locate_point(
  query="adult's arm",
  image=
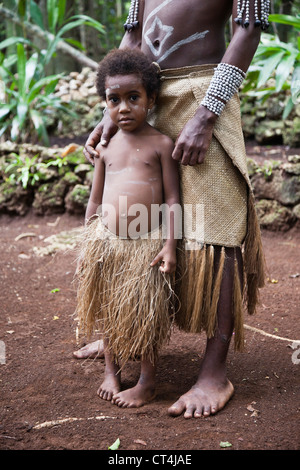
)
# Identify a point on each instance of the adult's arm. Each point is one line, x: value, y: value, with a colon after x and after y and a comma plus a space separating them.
x: 194, y: 140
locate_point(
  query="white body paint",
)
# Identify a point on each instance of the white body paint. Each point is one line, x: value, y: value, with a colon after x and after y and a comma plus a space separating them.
x: 168, y: 31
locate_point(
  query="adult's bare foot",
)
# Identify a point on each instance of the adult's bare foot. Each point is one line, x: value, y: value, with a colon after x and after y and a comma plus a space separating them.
x: 203, y: 399
x: 90, y: 351
x: 134, y: 397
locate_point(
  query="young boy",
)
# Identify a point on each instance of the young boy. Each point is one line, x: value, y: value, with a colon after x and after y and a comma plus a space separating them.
x: 126, y: 266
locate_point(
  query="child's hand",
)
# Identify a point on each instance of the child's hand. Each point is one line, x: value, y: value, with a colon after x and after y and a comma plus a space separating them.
x: 167, y: 259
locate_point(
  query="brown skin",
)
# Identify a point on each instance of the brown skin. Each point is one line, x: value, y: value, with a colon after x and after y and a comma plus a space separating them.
x: 212, y: 389
x: 137, y: 165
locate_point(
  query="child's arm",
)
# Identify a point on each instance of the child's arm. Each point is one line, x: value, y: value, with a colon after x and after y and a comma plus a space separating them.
x: 95, y: 199
x: 170, y: 180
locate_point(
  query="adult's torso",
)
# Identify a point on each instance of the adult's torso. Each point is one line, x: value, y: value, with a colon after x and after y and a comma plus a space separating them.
x: 177, y: 33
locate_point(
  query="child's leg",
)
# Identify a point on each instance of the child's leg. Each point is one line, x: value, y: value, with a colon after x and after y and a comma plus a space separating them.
x: 142, y: 392
x: 111, y: 384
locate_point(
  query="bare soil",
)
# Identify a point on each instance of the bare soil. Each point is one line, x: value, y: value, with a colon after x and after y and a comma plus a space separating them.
x: 49, y: 400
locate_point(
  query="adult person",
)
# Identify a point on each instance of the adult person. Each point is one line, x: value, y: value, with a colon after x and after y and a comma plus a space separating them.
x: 198, y: 107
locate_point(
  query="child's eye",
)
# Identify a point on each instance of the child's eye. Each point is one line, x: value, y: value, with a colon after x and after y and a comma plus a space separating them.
x: 113, y: 99
x: 134, y: 97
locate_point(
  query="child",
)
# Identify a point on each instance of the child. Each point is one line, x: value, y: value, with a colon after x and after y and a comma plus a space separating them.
x: 126, y: 266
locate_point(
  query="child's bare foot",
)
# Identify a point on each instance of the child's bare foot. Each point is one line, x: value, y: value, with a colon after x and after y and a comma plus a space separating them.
x: 134, y: 397
x: 110, y: 386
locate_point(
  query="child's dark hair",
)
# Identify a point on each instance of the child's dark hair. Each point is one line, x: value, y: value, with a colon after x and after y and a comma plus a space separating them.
x: 127, y: 62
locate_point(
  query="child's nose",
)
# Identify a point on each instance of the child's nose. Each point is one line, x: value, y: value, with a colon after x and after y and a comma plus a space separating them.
x: 124, y: 106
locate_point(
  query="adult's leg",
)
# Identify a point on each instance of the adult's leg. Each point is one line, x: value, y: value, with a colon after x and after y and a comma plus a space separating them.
x: 212, y: 389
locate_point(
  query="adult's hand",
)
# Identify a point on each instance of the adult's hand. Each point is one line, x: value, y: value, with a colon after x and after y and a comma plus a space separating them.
x: 102, y: 133
x: 193, y: 142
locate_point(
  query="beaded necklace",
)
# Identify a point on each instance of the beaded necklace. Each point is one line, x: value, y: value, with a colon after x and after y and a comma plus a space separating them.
x: 242, y: 9
x: 132, y: 19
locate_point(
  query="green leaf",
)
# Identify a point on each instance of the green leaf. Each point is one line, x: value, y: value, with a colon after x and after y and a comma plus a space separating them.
x: 36, y: 14
x: 268, y: 67
x: 288, y: 108
x: 90, y: 22
x: 51, y: 11
x: 21, y: 69
x: 43, y: 82
x: 22, y: 7
x: 284, y: 69
x: 295, y: 84
x: 115, y: 445
x: 30, y: 69
x: 225, y: 444
x: 11, y: 41
x: 22, y: 110
x: 39, y: 125
x: 285, y: 19
x: 75, y: 43
x: 61, y: 11
x: 4, y: 110
x: 15, y: 128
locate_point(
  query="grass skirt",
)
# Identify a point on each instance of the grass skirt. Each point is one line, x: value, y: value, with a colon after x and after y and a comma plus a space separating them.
x: 121, y: 295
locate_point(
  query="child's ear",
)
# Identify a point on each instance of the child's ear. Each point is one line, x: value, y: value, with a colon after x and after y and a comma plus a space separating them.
x: 151, y: 101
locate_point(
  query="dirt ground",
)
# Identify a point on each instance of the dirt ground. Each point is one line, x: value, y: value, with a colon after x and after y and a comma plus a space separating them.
x: 49, y: 400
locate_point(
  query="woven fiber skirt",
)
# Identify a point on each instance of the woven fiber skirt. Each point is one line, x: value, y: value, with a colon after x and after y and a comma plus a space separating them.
x: 120, y: 295
x: 218, y: 205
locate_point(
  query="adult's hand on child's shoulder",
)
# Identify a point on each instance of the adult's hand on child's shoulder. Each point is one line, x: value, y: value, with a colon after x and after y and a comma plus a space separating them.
x: 102, y: 133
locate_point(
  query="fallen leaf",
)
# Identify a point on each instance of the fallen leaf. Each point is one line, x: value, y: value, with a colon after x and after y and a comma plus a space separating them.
x: 54, y: 290
x: 250, y: 408
x: 139, y: 441
x: 225, y: 444
x: 69, y: 149
x: 24, y: 256
x: 55, y: 317
x: 115, y: 445
x: 254, y: 412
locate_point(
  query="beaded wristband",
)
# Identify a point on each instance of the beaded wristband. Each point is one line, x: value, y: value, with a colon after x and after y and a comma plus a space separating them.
x: 224, y: 84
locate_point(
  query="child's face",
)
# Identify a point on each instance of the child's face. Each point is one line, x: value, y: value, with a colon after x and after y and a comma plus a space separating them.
x: 127, y: 101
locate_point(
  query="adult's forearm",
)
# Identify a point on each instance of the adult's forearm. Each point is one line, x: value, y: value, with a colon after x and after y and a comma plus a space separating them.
x: 242, y: 47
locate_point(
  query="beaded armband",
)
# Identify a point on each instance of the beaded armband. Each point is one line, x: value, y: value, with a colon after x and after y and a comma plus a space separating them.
x: 260, y: 15
x: 226, y: 81
x: 132, y: 19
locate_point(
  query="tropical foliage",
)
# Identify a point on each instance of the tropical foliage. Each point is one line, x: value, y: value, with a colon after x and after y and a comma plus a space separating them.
x: 26, y: 88
x: 276, y: 65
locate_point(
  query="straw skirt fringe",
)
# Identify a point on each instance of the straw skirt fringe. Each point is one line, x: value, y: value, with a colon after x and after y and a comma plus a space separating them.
x: 221, y: 187
x: 120, y: 295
